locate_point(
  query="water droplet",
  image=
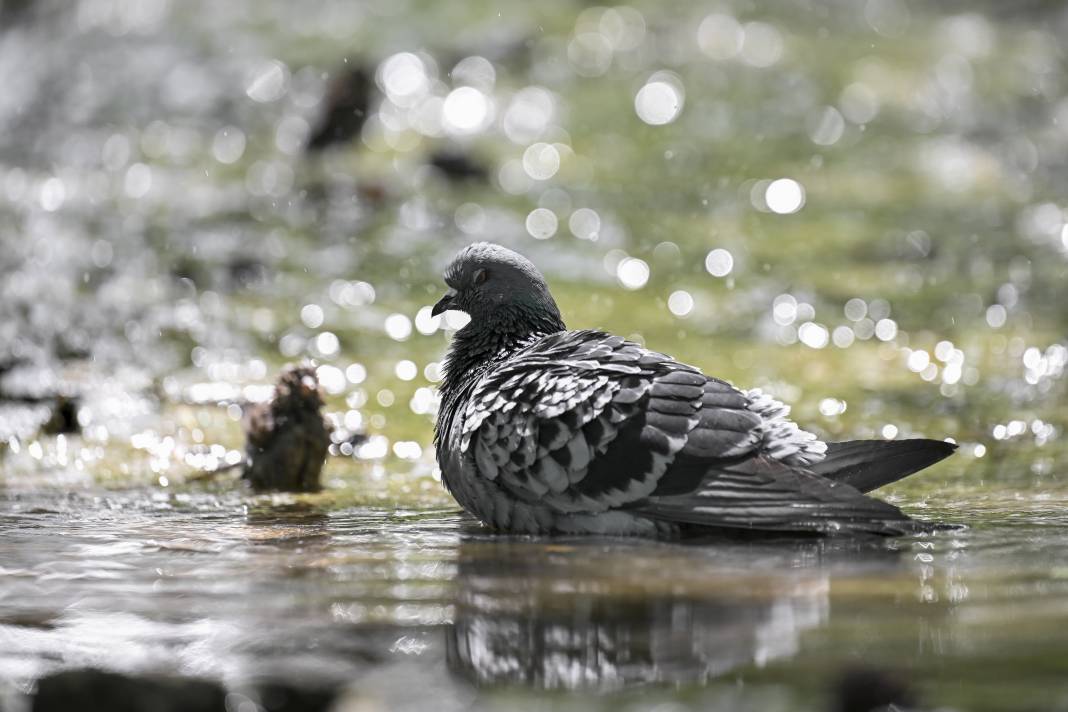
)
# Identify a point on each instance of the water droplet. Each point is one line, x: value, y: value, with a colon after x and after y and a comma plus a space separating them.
x: 856, y: 309
x: 407, y: 449
x: 843, y: 337
x: 680, y: 303
x: 228, y: 145
x: 425, y: 323
x: 542, y: 223
x: 404, y: 78
x: 474, y: 71
x: 470, y: 218
x: 784, y: 196
x: 268, y: 82
x: 356, y: 373
x: 398, y: 327
x: 719, y: 262
x: 590, y: 54
x: 528, y: 114
x: 632, y: 273
x: 331, y: 378
x: 859, y: 103
x: 541, y: 161
x: 784, y: 309
x: 886, y: 329
x: 918, y: 360
x: 326, y: 344
x: 720, y: 36
x: 660, y: 100
x: 831, y: 407
x: 762, y: 44
x: 996, y: 316
x: 466, y: 111
x: 826, y: 126
x: 585, y: 224
x: 813, y: 335
x: 312, y: 316
x: 405, y: 370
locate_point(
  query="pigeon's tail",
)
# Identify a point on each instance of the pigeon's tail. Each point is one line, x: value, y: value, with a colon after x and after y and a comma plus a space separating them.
x: 870, y: 464
x: 763, y: 494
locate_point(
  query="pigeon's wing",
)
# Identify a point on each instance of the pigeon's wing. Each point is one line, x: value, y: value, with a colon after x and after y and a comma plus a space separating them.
x: 765, y: 494
x: 585, y: 422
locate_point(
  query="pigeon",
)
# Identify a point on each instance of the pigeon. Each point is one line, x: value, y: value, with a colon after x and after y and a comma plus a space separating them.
x: 345, y: 108
x: 287, y: 438
x: 546, y: 431
x: 458, y: 166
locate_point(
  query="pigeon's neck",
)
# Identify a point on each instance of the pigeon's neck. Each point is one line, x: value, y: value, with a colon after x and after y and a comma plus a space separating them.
x: 480, y: 346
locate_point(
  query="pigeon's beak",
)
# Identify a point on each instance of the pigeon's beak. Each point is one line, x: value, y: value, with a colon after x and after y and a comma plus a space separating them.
x: 444, y: 304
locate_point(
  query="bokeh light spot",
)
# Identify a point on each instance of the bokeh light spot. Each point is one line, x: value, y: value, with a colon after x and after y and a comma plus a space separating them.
x: 541, y: 223
x: 680, y: 303
x: 659, y: 102
x: 719, y: 262
x: 784, y: 196
x: 632, y: 273
x: 541, y: 161
x: 466, y: 111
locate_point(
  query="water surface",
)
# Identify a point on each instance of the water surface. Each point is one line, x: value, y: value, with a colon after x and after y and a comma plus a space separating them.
x: 858, y: 207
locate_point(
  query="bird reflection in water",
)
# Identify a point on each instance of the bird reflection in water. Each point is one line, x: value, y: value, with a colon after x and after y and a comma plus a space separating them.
x: 583, y: 614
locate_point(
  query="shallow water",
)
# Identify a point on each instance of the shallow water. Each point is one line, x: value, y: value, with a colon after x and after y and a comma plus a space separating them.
x: 858, y: 207
x: 399, y: 604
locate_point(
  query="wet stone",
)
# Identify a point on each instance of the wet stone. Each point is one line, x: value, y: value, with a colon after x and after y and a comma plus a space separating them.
x: 35, y: 398
x: 283, y: 697
x: 89, y: 690
x: 287, y: 437
x: 64, y: 418
x: 865, y: 689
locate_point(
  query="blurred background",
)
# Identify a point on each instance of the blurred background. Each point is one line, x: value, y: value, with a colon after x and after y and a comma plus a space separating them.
x: 857, y: 206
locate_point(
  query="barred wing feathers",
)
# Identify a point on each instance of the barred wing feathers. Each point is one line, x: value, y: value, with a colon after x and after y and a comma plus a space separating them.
x: 584, y: 422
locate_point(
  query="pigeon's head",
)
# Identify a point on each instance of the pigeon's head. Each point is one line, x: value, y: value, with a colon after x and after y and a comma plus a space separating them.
x: 298, y: 389
x: 492, y: 284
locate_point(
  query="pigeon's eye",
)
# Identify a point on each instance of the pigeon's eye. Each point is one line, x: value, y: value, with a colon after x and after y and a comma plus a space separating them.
x: 479, y: 277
